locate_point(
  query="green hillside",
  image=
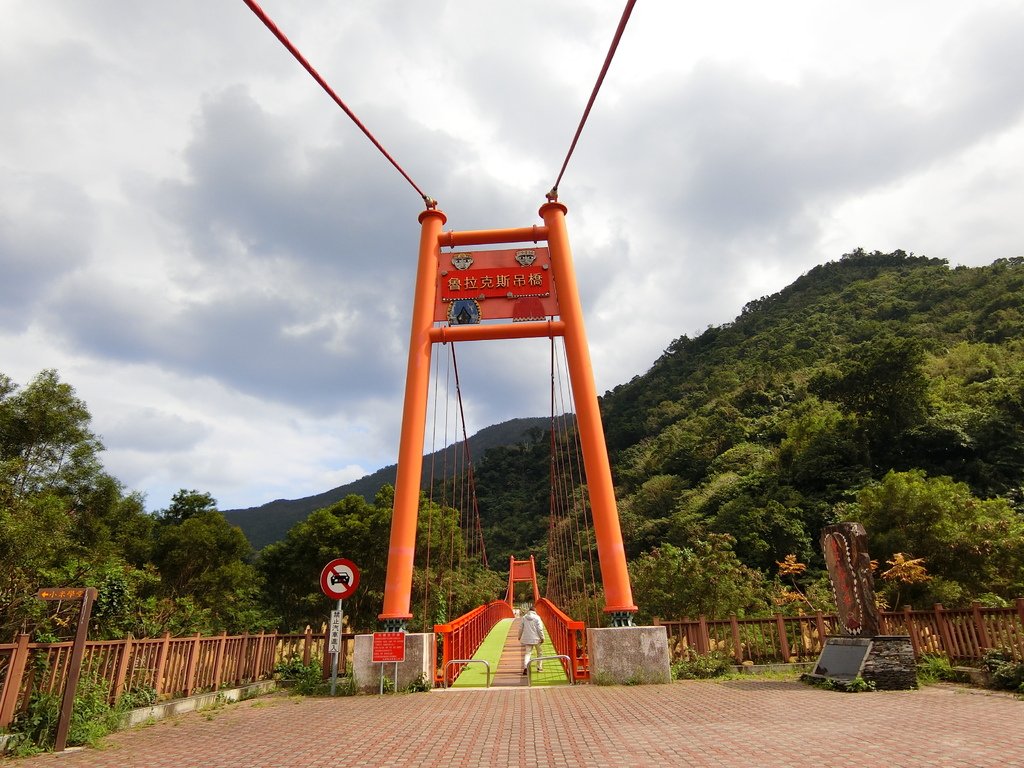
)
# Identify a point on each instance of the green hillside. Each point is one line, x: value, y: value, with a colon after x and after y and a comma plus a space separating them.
x: 885, y: 388
x: 270, y: 522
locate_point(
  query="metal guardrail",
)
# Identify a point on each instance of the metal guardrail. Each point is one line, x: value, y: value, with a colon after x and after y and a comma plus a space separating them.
x: 466, y: 661
x: 566, y: 662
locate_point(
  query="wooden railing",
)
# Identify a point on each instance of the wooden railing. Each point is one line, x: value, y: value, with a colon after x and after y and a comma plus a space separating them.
x: 460, y: 638
x: 169, y: 667
x: 568, y: 636
x: 959, y: 634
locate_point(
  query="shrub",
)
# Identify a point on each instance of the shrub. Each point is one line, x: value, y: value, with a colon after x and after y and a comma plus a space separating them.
x: 1005, y: 673
x: 933, y: 669
x: 419, y: 685
x: 92, y: 717
x: 308, y: 678
x: 700, y: 667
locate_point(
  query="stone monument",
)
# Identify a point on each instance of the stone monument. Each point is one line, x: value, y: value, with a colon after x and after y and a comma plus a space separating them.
x: 860, y: 649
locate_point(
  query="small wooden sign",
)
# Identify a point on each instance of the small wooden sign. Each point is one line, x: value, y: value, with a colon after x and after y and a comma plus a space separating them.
x: 61, y: 593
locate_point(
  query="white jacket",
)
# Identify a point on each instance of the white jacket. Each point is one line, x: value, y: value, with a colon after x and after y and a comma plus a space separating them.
x: 531, y: 630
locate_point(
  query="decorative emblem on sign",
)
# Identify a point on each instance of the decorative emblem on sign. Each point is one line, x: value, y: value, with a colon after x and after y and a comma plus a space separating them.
x: 526, y: 258
x: 464, y: 312
x: 462, y: 260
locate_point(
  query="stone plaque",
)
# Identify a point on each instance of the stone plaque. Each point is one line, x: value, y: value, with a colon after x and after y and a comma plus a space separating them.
x: 845, y: 546
x: 842, y: 658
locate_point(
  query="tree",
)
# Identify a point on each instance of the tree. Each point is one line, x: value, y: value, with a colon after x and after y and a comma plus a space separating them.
x: 187, y: 504
x: 972, y: 546
x: 704, y: 579
x: 881, y: 381
x: 45, y: 439
x: 206, y: 558
x: 290, y: 568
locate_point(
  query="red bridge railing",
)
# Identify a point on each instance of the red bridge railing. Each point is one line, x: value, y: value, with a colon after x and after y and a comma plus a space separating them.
x: 460, y: 638
x: 568, y: 636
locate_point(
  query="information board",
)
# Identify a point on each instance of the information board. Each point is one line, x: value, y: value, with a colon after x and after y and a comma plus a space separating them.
x: 842, y: 658
x: 388, y: 647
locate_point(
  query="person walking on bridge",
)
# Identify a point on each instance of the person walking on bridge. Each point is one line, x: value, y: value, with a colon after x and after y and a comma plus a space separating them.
x: 531, y: 635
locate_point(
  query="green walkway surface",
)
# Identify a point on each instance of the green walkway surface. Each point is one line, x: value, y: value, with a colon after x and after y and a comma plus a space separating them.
x: 475, y: 675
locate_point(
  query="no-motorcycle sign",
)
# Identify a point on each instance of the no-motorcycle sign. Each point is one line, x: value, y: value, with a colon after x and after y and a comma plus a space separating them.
x: 339, y: 578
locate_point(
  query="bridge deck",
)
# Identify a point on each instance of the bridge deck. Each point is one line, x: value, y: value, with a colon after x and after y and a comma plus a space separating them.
x: 503, y: 651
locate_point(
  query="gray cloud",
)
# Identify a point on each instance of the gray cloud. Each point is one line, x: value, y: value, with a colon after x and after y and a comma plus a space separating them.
x: 46, y: 226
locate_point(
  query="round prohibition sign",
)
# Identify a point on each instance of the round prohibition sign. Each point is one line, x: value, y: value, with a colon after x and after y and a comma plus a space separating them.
x: 339, y: 578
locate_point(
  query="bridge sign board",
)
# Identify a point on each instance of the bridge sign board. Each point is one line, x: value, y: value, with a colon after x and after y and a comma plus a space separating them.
x: 388, y: 647
x: 339, y: 578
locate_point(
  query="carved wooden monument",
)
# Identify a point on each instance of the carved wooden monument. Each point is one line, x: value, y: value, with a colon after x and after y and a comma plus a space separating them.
x: 860, y: 649
x: 845, y: 546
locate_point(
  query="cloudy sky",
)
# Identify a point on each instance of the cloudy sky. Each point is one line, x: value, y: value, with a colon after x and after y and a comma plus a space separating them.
x: 204, y: 246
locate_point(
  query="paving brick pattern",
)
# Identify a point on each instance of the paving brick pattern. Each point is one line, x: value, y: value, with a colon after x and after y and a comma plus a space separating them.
x: 734, y: 723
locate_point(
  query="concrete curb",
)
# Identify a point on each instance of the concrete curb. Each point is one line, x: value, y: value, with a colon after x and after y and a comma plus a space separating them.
x: 166, y: 709
x: 192, y: 703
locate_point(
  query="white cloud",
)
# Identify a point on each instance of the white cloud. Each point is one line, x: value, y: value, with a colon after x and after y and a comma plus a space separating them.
x: 222, y: 264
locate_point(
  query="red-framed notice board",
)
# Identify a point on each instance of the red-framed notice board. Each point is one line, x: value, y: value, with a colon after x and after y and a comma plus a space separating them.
x: 388, y: 647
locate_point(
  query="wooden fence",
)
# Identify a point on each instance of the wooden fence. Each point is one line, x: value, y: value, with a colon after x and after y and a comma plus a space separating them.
x: 961, y: 635
x: 169, y: 667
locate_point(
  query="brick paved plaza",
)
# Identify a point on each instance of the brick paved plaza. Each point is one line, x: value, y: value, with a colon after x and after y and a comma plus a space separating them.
x: 731, y: 723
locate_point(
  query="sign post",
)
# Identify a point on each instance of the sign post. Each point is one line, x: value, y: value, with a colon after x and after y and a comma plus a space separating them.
x: 88, y: 596
x: 338, y: 580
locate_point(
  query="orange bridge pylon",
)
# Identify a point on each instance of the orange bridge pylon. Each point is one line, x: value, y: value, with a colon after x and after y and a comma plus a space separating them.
x: 524, y: 291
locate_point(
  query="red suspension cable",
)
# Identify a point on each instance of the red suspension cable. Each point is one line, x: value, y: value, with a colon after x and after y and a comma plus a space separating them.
x: 553, y: 194
x: 261, y: 14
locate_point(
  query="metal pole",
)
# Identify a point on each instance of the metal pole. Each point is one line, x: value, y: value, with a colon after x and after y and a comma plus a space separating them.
x: 334, y: 661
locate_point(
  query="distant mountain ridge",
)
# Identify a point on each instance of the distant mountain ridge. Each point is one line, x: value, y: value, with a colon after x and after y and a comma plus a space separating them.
x: 270, y: 522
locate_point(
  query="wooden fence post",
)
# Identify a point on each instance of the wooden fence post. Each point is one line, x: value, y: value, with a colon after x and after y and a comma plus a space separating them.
x: 193, y: 663
x: 218, y: 662
x: 161, y: 664
x: 269, y: 658
x: 979, y: 624
x: 12, y: 681
x: 908, y: 621
x: 306, y: 646
x: 783, y: 638
x: 122, y: 670
x: 737, y: 646
x: 243, y: 660
x: 703, y: 638
x: 1019, y: 650
x: 944, y: 633
x: 819, y: 622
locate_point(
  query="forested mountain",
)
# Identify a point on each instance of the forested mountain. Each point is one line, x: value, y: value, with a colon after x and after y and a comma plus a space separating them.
x: 884, y: 388
x: 270, y: 522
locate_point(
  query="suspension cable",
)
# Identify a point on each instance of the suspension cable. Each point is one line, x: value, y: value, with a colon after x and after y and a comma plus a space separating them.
x: 553, y: 194
x: 261, y: 14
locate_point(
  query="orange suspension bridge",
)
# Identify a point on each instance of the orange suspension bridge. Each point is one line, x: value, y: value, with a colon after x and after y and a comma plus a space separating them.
x: 469, y: 290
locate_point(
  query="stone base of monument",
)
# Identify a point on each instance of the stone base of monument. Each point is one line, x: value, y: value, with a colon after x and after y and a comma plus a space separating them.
x: 890, y: 665
x: 886, y: 661
x: 628, y: 655
x: 419, y: 662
